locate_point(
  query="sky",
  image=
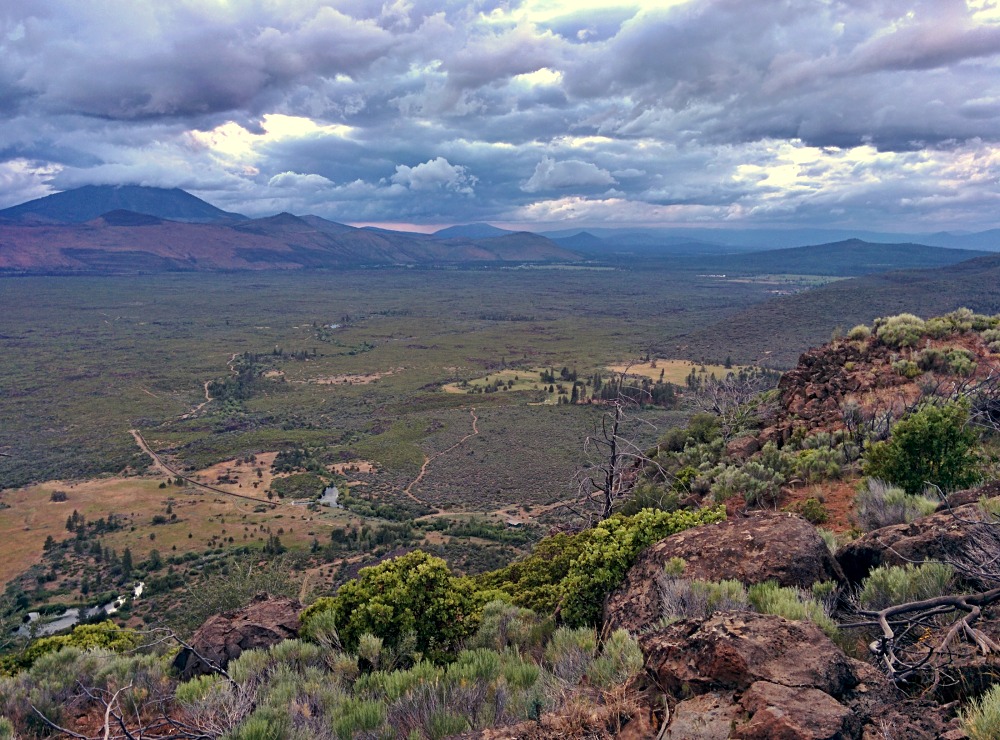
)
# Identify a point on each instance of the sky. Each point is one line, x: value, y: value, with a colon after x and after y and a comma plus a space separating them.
x: 868, y: 114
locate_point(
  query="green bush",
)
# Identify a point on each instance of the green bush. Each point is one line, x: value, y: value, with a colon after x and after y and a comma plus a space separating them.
x: 934, y: 445
x: 6, y: 729
x: 696, y: 599
x: 811, y: 509
x: 817, y: 465
x: 758, y: 485
x: 790, y: 603
x: 612, y: 547
x: 620, y: 661
x: 907, y: 368
x: 106, y: 634
x: 575, y: 572
x: 981, y: 719
x: 414, y: 593
x: 830, y: 538
x: 859, y: 332
x: 504, y: 625
x: 264, y: 724
x: 900, y: 331
x: 889, y: 585
x: 356, y: 716
x: 961, y: 362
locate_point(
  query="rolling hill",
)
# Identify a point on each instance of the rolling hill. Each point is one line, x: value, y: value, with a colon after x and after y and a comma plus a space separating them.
x: 848, y: 258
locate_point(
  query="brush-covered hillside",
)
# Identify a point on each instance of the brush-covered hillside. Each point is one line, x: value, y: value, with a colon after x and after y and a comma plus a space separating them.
x: 810, y: 560
x: 774, y: 331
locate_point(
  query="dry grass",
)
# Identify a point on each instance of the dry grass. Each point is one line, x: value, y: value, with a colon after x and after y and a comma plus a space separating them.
x: 208, y: 518
x: 358, y: 379
x: 674, y: 371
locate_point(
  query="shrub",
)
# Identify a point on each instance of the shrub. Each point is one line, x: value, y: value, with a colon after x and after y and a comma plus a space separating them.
x: 570, y: 652
x: 357, y: 716
x: 817, y: 465
x: 830, y: 538
x: 612, y: 548
x: 933, y: 445
x: 812, y: 510
x: 790, y: 603
x: 575, y: 572
x: 981, y: 719
x: 900, y: 331
x: 504, y: 625
x: 620, y: 661
x: 758, y: 485
x: 264, y: 724
x: 859, y: 332
x: 683, y: 599
x: 907, y: 368
x: 880, y: 504
x: 961, y: 361
x: 889, y: 585
x: 6, y: 729
x: 414, y: 593
x: 107, y: 635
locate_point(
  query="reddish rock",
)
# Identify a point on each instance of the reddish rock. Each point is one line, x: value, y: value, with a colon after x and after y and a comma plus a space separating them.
x: 742, y: 448
x: 706, y: 717
x: 945, y: 535
x: 769, y: 546
x: 786, y: 713
x: 263, y: 622
x: 733, y: 650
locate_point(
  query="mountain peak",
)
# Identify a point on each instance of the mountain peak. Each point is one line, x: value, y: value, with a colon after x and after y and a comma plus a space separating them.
x: 88, y: 202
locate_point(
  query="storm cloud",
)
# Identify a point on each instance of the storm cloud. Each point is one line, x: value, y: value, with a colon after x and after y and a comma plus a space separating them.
x: 880, y: 114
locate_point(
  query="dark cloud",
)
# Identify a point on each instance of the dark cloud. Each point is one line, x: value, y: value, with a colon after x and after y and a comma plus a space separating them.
x: 858, y: 112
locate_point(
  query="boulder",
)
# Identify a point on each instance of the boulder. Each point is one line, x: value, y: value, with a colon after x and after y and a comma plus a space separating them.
x: 789, y: 713
x: 742, y: 448
x: 263, y: 622
x: 942, y: 536
x: 769, y: 546
x: 733, y: 650
x: 709, y: 716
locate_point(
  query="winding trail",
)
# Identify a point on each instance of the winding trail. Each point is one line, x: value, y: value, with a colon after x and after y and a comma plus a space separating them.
x: 163, y: 467
x: 428, y: 460
x: 208, y: 397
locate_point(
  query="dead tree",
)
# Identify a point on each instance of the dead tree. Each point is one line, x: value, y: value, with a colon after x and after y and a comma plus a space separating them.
x: 615, y: 459
x: 732, y: 399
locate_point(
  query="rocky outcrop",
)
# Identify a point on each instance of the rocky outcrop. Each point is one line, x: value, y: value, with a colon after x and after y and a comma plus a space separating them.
x: 944, y: 536
x: 733, y: 650
x: 813, y: 392
x: 766, y: 547
x: 757, y: 676
x: 263, y: 622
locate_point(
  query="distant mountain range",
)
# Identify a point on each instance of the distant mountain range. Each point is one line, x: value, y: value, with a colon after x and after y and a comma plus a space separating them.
x: 131, y: 227
x: 173, y: 230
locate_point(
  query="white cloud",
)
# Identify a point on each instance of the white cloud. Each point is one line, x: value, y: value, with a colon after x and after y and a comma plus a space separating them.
x: 299, y: 181
x: 435, y: 174
x: 571, y: 173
